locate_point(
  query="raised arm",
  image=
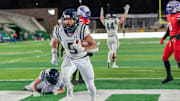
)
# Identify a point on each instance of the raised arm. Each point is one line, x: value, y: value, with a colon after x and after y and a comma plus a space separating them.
x: 102, y: 16
x: 126, y: 9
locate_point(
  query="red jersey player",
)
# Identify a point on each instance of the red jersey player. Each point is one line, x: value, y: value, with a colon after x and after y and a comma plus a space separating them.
x: 173, y: 46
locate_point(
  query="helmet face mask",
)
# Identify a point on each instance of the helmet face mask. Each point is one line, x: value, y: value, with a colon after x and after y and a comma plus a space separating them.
x: 173, y: 7
x: 110, y: 16
x: 52, y: 76
x: 70, y: 20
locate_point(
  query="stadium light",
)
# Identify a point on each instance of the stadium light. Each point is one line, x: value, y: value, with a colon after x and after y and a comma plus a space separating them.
x: 51, y: 11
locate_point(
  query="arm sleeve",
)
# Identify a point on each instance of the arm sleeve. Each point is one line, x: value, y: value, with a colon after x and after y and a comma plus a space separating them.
x: 86, y: 31
x: 166, y: 34
x: 56, y: 31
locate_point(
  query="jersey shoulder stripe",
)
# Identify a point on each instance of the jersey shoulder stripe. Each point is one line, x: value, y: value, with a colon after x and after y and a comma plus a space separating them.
x: 43, y: 75
x: 57, y: 32
x: 84, y: 31
x: 81, y: 31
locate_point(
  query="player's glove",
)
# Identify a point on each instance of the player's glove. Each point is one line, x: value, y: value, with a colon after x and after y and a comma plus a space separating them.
x: 126, y: 8
x: 162, y: 41
x: 54, y: 59
x: 77, y: 45
x: 36, y: 94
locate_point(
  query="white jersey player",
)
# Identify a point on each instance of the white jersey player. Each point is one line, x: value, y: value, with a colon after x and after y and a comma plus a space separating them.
x: 49, y: 81
x: 111, y: 23
x: 70, y: 33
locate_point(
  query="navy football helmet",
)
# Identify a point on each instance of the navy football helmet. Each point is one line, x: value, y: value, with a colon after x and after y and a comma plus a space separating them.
x: 110, y: 16
x: 72, y: 14
x: 52, y: 76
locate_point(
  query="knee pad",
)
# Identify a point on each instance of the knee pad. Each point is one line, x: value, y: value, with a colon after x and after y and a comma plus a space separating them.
x: 178, y: 64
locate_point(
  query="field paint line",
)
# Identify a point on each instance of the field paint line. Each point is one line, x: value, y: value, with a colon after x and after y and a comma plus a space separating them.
x: 11, y: 53
x: 130, y: 35
x: 22, y: 59
x: 142, y: 42
x: 14, y: 95
x: 24, y: 68
x: 128, y: 78
x: 19, y: 80
x: 102, y: 95
x: 96, y: 79
x: 3, y: 43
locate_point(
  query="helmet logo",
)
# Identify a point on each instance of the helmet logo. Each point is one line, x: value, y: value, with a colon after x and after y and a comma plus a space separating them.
x: 66, y: 16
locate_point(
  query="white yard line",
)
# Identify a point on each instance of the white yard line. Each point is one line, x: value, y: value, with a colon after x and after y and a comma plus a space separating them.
x: 102, y: 95
x: 130, y: 35
x: 95, y: 79
x: 14, y: 95
x: 22, y: 59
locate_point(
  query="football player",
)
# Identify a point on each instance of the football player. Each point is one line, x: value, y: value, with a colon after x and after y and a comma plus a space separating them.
x: 70, y: 34
x: 111, y: 23
x: 173, y: 46
x: 49, y: 81
x: 84, y: 14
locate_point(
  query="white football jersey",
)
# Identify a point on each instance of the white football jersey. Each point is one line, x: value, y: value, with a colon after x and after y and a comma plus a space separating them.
x: 111, y: 26
x: 67, y: 39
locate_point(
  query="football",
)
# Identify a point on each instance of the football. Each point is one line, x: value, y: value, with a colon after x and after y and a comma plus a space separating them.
x: 84, y: 43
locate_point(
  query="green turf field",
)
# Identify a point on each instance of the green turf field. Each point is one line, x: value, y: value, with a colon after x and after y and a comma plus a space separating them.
x: 139, y: 60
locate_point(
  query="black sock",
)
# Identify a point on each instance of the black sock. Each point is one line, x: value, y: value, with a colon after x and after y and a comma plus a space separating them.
x: 178, y: 65
x: 168, y: 68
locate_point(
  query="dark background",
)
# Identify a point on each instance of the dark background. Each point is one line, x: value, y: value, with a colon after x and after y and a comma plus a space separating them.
x: 137, y: 6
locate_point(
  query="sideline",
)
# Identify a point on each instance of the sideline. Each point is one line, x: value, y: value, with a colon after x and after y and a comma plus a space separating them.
x: 130, y: 35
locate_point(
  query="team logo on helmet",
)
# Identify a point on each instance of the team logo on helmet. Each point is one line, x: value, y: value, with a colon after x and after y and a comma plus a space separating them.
x: 84, y: 12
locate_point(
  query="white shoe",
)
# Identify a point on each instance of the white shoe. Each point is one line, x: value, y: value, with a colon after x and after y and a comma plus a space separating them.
x: 115, y: 66
x: 70, y: 94
x: 68, y: 98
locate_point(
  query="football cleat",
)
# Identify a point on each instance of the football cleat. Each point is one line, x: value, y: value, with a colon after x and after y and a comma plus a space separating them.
x: 115, y: 66
x: 74, y: 82
x: 167, y: 80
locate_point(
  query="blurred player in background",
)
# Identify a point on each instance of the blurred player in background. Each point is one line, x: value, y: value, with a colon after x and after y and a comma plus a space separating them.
x: 48, y: 82
x: 84, y: 14
x: 173, y: 18
x: 70, y: 34
x: 111, y: 23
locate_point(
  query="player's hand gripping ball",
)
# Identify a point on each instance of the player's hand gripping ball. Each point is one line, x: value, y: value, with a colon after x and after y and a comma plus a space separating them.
x: 84, y: 43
